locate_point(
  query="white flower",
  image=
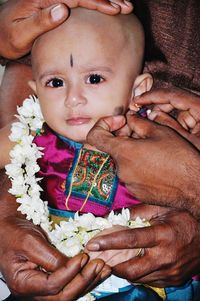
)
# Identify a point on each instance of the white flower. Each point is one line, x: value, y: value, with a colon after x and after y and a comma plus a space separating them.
x: 86, y: 220
x: 101, y: 223
x: 30, y: 108
x: 26, y: 139
x: 14, y: 170
x: 139, y: 223
x: 63, y: 231
x: 119, y: 219
x: 19, y: 188
x: 18, y: 131
x: 32, y: 168
x: 70, y: 247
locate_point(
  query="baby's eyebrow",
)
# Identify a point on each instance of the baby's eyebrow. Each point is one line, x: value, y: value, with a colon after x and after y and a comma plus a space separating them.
x: 93, y: 68
x: 52, y: 72
x: 83, y: 69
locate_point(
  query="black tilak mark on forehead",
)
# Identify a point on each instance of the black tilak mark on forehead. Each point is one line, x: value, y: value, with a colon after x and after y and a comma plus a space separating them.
x: 71, y: 60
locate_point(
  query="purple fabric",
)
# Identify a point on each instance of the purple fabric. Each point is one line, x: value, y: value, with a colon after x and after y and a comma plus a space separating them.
x: 55, y: 166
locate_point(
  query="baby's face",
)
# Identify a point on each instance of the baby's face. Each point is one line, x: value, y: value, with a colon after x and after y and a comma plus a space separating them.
x: 80, y: 77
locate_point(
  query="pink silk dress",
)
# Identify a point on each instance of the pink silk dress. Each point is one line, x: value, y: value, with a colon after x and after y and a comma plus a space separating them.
x: 78, y: 179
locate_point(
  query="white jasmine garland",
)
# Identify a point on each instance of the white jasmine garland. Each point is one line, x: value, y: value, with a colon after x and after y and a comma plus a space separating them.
x: 70, y: 237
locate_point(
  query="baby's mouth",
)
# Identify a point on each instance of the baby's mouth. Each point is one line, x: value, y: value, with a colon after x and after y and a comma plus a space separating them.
x: 78, y: 120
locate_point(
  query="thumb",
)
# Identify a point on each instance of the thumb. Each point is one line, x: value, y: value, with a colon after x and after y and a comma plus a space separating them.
x: 43, y: 254
x: 147, y: 212
x: 41, y: 22
x: 101, y: 135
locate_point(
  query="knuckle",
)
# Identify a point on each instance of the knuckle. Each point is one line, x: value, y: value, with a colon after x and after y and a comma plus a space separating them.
x: 175, y: 276
x: 15, y: 42
x: 16, y: 287
x: 52, y: 288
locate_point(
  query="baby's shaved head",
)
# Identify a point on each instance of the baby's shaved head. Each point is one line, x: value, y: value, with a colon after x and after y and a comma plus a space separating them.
x: 123, y: 33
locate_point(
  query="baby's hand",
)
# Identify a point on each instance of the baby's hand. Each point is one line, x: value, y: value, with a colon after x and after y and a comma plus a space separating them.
x: 113, y: 257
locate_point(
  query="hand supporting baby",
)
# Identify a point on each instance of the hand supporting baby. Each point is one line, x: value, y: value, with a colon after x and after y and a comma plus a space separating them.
x: 184, y: 106
x: 114, y: 256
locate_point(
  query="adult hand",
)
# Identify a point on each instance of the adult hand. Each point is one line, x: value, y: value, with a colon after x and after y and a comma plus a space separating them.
x: 184, y: 105
x: 22, y: 21
x: 34, y: 269
x: 113, y: 257
x: 157, y: 165
x: 171, y: 247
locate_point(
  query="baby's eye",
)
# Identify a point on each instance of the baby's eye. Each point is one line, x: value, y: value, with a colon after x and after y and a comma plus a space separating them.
x: 94, y: 79
x: 55, y: 83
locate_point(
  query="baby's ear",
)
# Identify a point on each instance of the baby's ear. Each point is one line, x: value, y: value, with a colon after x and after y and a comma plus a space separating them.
x: 32, y: 85
x: 142, y: 84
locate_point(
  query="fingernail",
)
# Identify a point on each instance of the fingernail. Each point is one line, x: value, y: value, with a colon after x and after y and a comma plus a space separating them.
x: 57, y: 12
x: 106, y: 272
x: 135, y: 107
x: 114, y: 4
x: 127, y: 2
x: 99, y: 267
x: 152, y: 115
x: 148, y: 112
x: 93, y: 247
x: 84, y: 260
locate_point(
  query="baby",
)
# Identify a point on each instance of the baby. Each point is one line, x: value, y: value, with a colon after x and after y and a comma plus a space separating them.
x: 79, y: 77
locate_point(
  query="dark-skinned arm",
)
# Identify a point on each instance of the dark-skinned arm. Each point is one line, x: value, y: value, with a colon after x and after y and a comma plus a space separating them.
x: 171, y: 247
x: 157, y: 165
x: 26, y: 254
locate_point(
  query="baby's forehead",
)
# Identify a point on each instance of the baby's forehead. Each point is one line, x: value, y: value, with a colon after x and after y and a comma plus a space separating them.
x: 87, y: 23
x: 89, y: 29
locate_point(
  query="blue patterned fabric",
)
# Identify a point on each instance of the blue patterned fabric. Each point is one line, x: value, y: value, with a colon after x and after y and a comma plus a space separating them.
x: 189, y: 292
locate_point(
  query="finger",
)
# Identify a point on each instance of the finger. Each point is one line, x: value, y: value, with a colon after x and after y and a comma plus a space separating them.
x: 125, y: 131
x: 136, y: 268
x: 42, y: 253
x: 26, y: 280
x: 42, y: 21
x: 147, y: 211
x: 179, y: 99
x: 196, y: 130
x: 186, y: 120
x: 126, y: 239
x: 158, y: 279
x: 104, y: 273
x: 100, y: 135
x: 143, y: 128
x: 163, y: 107
x: 108, y: 7
x: 79, y: 285
x: 167, y: 120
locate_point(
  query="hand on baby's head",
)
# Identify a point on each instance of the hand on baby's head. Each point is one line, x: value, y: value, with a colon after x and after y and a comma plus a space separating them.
x: 113, y: 257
